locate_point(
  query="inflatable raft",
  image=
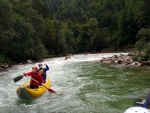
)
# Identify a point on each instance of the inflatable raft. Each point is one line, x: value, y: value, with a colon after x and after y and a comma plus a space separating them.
x: 138, y: 107
x: 25, y: 92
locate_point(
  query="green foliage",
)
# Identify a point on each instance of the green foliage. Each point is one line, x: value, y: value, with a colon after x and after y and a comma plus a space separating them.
x: 93, y: 23
x: 144, y: 34
x: 52, y: 28
x: 33, y: 29
x: 6, y: 13
x: 143, y: 43
x: 3, y: 59
x: 143, y: 37
x: 85, y: 37
x: 141, y: 56
x: 38, y: 5
x: 69, y: 40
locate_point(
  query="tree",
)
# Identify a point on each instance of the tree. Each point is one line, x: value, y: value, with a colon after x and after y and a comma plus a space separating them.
x: 93, y: 23
x: 84, y: 38
x: 38, y: 5
x: 50, y: 35
x: 7, y: 22
x: 69, y: 40
x: 143, y: 39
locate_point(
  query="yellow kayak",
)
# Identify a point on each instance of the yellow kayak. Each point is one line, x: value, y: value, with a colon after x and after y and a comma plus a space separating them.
x: 25, y: 92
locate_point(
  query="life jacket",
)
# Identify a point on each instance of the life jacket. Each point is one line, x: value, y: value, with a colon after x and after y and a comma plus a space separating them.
x: 41, y: 70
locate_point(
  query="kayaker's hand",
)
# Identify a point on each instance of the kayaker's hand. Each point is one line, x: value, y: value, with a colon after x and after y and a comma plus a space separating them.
x: 24, y: 74
x: 41, y: 84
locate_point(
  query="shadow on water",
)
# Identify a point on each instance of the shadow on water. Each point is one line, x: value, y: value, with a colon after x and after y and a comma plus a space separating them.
x: 22, y: 101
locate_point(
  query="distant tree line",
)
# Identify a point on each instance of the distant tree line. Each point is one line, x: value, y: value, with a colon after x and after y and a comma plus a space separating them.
x: 35, y: 29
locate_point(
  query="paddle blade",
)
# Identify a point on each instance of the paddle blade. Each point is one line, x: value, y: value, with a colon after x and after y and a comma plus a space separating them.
x: 18, y: 78
x: 51, y: 90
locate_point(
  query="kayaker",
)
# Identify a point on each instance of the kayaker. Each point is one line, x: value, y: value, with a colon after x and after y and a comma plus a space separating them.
x: 36, y: 78
x: 43, y: 70
x: 147, y: 101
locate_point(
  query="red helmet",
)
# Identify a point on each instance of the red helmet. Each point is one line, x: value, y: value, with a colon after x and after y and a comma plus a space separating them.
x: 35, y: 67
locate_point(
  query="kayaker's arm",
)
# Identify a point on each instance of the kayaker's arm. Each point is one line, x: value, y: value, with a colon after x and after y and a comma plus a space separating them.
x: 24, y: 74
x: 46, y: 68
x: 28, y: 74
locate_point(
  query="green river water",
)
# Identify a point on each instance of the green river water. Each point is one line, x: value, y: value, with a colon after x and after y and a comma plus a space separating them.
x: 82, y: 83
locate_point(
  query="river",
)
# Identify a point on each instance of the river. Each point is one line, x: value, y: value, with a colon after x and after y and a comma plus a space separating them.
x: 82, y: 83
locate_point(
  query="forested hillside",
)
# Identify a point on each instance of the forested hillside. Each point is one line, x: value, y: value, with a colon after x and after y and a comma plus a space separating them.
x: 34, y: 29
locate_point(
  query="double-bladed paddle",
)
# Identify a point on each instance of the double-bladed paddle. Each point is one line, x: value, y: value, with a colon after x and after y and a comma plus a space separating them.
x: 18, y: 78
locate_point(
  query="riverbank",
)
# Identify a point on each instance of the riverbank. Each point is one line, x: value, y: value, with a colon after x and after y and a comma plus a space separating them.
x: 4, y: 65
x: 124, y: 60
x: 10, y: 64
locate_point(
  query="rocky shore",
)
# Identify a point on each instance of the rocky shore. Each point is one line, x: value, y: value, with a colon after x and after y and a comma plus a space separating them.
x: 126, y: 60
x: 6, y: 65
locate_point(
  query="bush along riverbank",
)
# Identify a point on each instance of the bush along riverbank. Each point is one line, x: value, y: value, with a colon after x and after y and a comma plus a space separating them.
x: 131, y: 59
